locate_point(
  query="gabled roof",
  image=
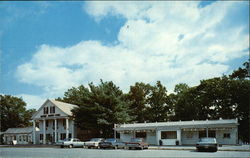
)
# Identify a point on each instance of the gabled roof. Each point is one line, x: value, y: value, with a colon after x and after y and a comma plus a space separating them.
x: 25, y: 130
x: 176, y: 124
x: 64, y: 107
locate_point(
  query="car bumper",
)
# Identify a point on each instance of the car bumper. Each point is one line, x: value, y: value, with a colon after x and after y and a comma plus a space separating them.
x: 206, y: 147
x: 91, y: 145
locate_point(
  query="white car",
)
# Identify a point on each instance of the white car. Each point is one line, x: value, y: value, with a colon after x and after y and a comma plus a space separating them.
x: 94, y: 142
x: 70, y: 142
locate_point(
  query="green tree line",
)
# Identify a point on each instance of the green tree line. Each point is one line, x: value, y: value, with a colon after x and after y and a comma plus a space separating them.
x: 13, y: 112
x: 101, y: 106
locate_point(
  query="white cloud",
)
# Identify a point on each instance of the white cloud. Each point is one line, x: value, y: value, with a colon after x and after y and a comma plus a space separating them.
x: 149, y: 48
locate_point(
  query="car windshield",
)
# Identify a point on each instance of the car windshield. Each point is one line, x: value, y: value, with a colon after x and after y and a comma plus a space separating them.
x: 136, y: 140
x: 208, y: 140
x: 96, y: 139
x: 110, y: 140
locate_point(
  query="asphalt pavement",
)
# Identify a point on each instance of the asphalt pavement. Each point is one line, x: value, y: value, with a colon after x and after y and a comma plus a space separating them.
x: 20, y: 152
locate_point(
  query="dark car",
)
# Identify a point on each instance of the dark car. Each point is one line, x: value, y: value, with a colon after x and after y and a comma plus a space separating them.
x: 112, y: 143
x: 137, y: 143
x: 207, y: 144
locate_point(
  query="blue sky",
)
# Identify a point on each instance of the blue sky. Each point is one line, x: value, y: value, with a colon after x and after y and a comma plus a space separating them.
x: 48, y: 47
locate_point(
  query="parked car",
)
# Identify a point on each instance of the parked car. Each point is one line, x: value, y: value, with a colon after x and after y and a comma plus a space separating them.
x: 70, y: 142
x: 93, y: 143
x: 137, y: 143
x: 112, y: 143
x: 207, y: 144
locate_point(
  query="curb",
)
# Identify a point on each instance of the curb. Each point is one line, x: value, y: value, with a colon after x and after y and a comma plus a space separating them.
x: 241, y: 150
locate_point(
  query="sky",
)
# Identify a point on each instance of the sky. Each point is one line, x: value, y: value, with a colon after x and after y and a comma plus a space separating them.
x: 48, y: 47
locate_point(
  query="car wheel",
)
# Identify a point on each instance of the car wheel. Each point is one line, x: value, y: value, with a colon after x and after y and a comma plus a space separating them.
x: 62, y: 146
x: 70, y: 146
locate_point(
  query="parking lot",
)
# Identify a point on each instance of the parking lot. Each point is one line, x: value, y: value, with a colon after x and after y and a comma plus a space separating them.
x: 22, y: 152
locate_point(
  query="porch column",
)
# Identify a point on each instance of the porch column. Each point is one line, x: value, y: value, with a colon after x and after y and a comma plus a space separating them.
x: 72, y: 129
x: 44, y: 129
x: 207, y: 132
x: 158, y: 136
x: 179, y: 136
x: 55, y: 130
x: 34, y: 132
x: 67, y: 128
x: 114, y: 131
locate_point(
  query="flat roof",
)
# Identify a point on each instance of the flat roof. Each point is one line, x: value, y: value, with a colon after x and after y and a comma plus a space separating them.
x: 182, y: 124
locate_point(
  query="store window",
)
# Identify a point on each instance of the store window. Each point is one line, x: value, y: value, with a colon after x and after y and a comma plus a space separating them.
x: 168, y: 135
x: 189, y: 134
x: 211, y: 133
x: 140, y: 134
x: 226, y: 135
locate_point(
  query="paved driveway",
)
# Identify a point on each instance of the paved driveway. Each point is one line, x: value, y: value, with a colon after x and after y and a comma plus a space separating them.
x: 96, y: 153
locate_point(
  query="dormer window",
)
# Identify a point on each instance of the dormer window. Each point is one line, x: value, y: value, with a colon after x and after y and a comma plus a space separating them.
x: 52, y: 109
x: 45, y: 110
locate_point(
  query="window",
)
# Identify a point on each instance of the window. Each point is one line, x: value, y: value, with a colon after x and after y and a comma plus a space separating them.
x: 168, y: 135
x: 189, y: 134
x: 41, y: 136
x: 118, y: 135
x: 52, y: 109
x: 63, y: 136
x: 47, y: 123
x: 64, y: 123
x: 140, y: 134
x: 25, y: 138
x: 45, y: 110
x: 204, y: 134
x: 20, y: 138
x: 226, y: 135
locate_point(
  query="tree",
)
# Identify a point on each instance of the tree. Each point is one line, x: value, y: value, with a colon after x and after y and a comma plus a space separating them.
x: 241, y: 73
x: 14, y: 113
x: 100, y: 107
x: 138, y: 96
x: 158, y: 108
x: 220, y: 97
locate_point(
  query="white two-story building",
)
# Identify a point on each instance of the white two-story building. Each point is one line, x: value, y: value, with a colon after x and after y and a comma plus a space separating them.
x: 54, y: 119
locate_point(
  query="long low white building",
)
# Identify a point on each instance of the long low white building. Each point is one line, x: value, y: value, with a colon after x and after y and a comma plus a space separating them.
x: 181, y: 132
x: 20, y: 135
